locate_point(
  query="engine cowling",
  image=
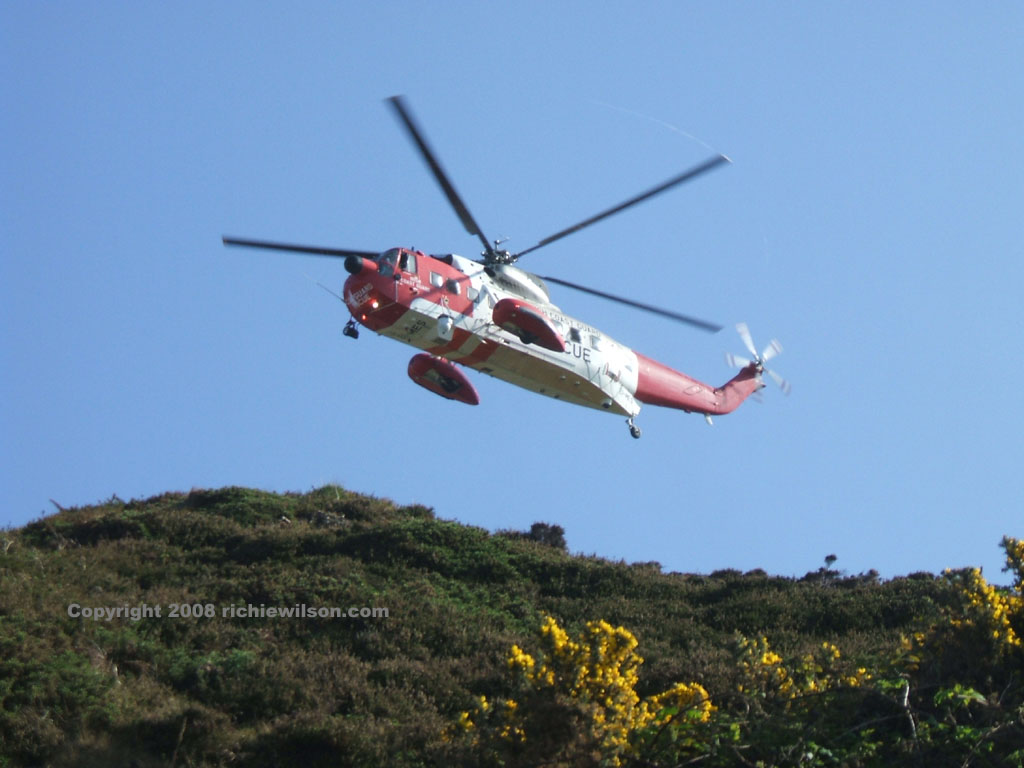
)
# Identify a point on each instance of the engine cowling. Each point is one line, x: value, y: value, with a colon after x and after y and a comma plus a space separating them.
x: 528, y: 323
x: 442, y: 378
x: 356, y: 264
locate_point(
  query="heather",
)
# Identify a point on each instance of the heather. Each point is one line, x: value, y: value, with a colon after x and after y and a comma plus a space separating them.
x: 496, y: 648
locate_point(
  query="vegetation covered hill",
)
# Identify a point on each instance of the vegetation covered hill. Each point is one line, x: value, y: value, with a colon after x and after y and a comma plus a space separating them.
x: 238, y: 627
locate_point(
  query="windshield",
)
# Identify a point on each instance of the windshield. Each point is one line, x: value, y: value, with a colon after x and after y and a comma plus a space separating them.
x: 387, y: 261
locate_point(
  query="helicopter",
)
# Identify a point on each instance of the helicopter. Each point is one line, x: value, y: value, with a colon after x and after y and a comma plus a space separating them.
x: 489, y: 315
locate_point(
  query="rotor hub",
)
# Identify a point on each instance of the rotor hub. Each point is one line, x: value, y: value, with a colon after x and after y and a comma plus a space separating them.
x: 499, y: 257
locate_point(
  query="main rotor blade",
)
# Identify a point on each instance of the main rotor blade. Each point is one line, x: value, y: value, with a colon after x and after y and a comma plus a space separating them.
x: 695, y: 322
x: 707, y: 165
x: 405, y: 115
x: 314, y: 249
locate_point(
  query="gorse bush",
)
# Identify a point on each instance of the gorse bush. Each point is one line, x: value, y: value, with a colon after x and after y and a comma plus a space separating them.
x: 497, y: 648
x: 574, y: 702
x: 588, y: 683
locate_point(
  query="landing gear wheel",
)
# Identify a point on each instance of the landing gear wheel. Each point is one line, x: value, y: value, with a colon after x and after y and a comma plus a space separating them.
x: 634, y: 430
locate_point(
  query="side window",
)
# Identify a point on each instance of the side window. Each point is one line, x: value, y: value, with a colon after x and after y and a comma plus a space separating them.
x: 436, y: 280
x: 472, y: 293
x: 408, y: 262
x: 452, y: 286
x: 574, y: 335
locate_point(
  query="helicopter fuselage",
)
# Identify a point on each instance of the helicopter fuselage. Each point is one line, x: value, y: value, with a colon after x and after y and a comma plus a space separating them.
x: 465, y: 312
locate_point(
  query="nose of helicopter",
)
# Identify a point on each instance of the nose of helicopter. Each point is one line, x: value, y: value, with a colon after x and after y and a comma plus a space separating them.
x: 370, y: 296
x: 360, y: 283
x: 360, y: 296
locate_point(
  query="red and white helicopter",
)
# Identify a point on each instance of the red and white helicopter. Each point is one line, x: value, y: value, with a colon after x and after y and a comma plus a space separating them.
x: 489, y: 315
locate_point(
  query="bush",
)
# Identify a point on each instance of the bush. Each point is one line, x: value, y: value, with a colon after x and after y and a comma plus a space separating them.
x: 222, y: 690
x: 543, y: 533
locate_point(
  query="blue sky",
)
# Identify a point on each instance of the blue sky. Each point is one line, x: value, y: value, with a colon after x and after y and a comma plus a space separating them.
x: 871, y: 221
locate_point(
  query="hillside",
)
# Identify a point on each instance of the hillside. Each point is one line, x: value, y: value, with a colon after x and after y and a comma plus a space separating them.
x: 225, y: 675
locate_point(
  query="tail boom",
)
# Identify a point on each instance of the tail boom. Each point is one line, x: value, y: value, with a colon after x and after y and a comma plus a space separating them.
x: 657, y: 384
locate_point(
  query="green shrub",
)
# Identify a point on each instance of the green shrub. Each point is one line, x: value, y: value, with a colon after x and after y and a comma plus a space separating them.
x: 219, y: 691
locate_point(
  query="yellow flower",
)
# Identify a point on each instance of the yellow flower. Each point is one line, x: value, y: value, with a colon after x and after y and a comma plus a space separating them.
x: 988, y: 607
x: 598, y: 671
x: 830, y: 649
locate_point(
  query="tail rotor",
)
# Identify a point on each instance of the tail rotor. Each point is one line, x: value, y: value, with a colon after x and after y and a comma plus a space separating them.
x: 759, y: 360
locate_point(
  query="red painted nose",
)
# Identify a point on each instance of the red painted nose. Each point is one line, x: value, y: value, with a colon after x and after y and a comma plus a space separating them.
x: 360, y: 295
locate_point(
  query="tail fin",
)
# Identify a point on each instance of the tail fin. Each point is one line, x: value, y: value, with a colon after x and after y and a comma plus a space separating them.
x: 737, y: 389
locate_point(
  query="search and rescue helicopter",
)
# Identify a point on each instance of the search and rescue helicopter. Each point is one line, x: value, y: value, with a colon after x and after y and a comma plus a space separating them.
x: 489, y: 315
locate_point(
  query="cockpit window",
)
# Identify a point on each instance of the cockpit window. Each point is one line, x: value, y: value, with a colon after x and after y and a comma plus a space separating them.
x: 387, y: 262
x: 408, y: 262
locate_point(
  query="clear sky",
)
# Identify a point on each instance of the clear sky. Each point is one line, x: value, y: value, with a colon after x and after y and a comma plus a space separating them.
x: 871, y: 221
